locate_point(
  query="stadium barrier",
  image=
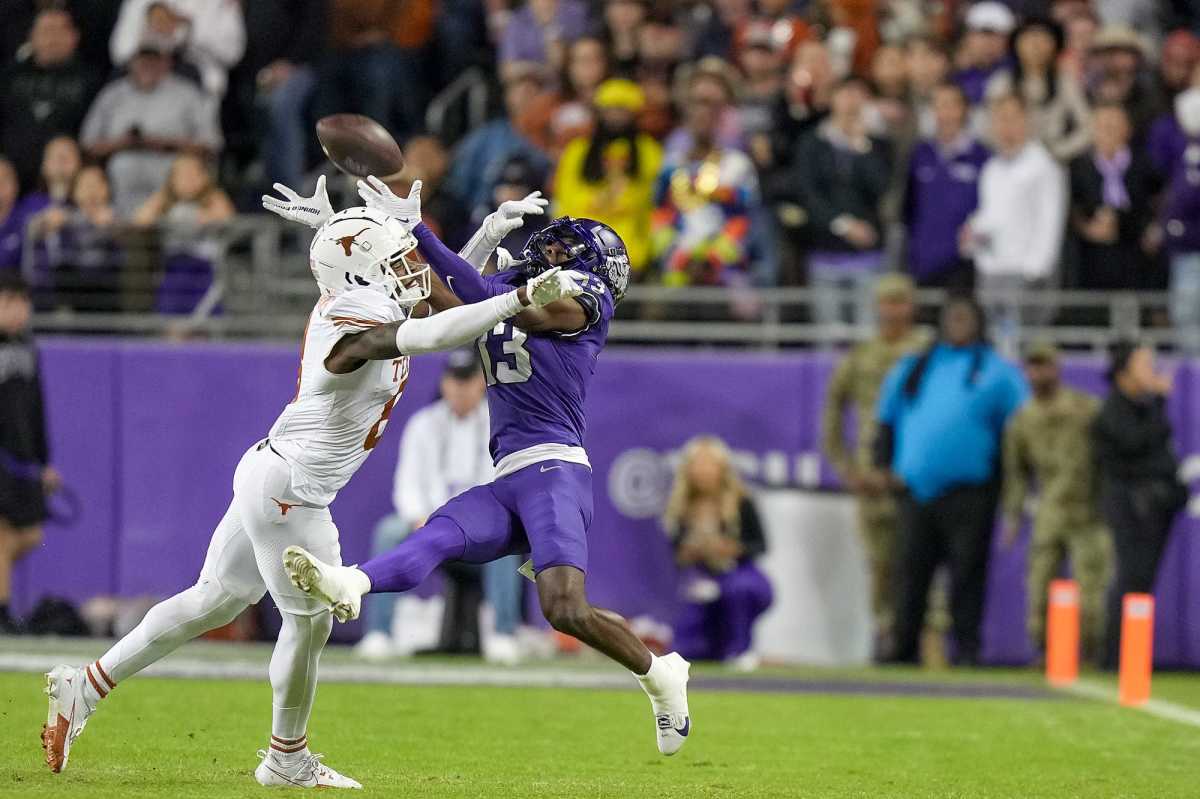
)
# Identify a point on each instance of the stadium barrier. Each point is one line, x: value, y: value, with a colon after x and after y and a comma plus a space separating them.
x: 148, y: 434
x: 249, y: 278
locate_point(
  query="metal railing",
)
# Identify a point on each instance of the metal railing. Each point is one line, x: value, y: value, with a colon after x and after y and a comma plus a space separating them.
x: 261, y: 288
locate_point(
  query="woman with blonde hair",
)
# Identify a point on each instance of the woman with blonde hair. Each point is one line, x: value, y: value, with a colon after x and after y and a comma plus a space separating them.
x: 711, y: 520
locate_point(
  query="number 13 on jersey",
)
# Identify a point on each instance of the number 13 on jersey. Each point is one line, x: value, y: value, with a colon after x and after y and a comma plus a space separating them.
x: 505, y: 359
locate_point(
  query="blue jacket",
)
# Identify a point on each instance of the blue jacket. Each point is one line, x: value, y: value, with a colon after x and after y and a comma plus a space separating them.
x: 950, y: 433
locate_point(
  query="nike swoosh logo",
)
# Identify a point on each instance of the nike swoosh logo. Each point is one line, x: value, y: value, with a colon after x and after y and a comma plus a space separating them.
x: 450, y: 282
x: 285, y: 777
x: 685, y: 729
x: 549, y: 468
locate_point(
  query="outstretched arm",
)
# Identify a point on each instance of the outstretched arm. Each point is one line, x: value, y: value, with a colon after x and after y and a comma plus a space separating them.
x: 564, y: 316
x: 499, y: 223
x: 458, y: 274
x: 451, y: 328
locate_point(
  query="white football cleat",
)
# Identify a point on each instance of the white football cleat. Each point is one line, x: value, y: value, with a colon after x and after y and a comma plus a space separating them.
x: 68, y: 713
x: 668, y: 698
x: 336, y: 586
x: 304, y: 772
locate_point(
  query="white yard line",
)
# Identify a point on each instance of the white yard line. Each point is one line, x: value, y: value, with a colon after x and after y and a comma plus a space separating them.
x: 1155, y: 707
x: 195, y: 668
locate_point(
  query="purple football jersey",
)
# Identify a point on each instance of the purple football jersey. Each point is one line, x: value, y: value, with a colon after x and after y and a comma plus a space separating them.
x: 537, y: 383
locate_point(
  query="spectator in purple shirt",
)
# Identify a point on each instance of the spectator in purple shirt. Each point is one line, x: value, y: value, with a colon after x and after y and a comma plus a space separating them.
x: 943, y: 191
x: 540, y: 32
x: 1181, y: 224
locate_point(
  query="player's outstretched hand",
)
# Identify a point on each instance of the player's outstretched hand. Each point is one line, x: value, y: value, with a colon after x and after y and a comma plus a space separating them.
x: 378, y: 197
x: 504, y: 259
x: 511, y: 214
x: 554, y: 285
x: 313, y: 211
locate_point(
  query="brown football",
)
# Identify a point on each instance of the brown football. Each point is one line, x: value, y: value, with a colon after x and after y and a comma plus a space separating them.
x: 359, y: 145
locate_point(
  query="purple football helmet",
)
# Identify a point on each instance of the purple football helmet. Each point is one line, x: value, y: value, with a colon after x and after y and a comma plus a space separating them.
x: 588, y: 246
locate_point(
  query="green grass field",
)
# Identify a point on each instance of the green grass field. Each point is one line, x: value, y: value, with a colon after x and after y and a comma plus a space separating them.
x: 160, y: 737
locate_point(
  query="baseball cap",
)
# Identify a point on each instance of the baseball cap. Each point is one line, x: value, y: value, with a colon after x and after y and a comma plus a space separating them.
x: 1041, y: 351
x: 894, y: 286
x: 462, y: 364
x: 991, y: 16
x: 1118, y: 37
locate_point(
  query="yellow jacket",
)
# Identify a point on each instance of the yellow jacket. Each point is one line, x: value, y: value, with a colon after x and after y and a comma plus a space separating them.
x: 622, y: 202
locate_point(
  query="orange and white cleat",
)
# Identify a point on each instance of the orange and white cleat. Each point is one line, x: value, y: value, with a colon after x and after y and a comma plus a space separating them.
x: 68, y: 713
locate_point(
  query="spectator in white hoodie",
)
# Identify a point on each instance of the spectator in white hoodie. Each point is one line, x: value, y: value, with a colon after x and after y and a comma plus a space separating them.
x: 210, y: 34
x: 1016, y: 235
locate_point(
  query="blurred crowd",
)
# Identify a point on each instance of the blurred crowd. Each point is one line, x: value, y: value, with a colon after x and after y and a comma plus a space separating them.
x: 1013, y: 146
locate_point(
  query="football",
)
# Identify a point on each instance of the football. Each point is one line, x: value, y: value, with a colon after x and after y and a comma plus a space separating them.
x: 359, y: 146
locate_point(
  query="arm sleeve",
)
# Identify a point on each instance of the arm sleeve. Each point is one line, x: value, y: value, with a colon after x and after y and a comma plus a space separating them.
x: 812, y: 194
x: 888, y: 410
x: 221, y: 33
x: 456, y: 326
x: 206, y: 128
x: 1125, y: 435
x: 127, y: 31
x: 1015, y: 473
x: 754, y: 540
x: 833, y: 432
x: 459, y: 275
x: 1014, y: 394
x: 1044, y: 241
x: 479, y: 248
x: 95, y: 123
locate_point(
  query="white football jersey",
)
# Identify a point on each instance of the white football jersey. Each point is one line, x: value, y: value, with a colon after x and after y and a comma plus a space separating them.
x: 334, y: 421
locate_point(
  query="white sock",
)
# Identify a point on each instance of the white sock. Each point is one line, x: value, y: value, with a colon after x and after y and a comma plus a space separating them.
x: 289, y: 751
x: 654, y: 678
x: 170, y: 623
x: 293, y: 672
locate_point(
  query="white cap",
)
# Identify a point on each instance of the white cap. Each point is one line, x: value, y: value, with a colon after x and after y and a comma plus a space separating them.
x: 991, y: 16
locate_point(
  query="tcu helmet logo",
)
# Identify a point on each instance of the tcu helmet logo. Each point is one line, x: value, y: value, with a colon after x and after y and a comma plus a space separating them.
x: 348, y: 241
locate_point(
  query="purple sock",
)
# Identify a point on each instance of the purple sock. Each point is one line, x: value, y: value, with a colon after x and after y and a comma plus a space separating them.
x: 405, y: 566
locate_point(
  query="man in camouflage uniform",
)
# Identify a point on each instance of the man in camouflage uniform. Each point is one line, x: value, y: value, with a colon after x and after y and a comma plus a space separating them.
x: 856, y: 383
x: 1049, y: 440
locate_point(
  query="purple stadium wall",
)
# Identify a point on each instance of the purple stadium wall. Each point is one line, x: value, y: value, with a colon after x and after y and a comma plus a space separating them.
x: 148, y: 434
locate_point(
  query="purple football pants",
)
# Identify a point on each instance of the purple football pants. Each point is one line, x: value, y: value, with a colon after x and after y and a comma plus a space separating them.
x: 544, y: 509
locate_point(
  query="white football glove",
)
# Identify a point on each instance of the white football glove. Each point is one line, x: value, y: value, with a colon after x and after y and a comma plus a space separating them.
x: 313, y: 211
x: 504, y: 259
x: 378, y: 197
x: 511, y: 215
x: 553, y: 285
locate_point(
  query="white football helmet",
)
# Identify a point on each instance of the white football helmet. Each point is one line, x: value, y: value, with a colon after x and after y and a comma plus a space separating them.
x: 361, y: 248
